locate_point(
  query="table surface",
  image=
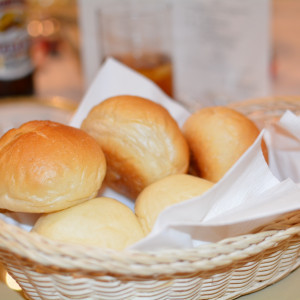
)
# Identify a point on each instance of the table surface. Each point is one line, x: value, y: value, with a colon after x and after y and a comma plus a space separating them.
x: 286, y: 289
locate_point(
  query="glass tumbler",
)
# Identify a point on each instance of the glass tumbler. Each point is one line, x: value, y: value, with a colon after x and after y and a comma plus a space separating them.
x: 140, y: 36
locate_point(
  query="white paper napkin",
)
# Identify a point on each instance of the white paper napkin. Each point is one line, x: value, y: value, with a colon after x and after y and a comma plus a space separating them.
x: 248, y: 196
x: 283, y: 141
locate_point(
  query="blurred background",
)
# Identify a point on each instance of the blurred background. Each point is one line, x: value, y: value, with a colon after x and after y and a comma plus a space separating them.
x: 55, y: 29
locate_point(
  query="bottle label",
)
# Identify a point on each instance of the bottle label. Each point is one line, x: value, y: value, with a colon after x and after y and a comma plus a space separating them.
x: 15, y: 59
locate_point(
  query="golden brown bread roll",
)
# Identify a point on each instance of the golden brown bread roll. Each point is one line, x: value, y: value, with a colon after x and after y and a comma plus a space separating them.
x: 141, y: 141
x: 47, y: 166
x: 217, y: 137
x: 102, y: 222
x: 166, y: 192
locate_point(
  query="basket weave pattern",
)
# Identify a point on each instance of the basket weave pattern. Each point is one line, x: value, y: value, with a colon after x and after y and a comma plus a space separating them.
x: 48, y: 270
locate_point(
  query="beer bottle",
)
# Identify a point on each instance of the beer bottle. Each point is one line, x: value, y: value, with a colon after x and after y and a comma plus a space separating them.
x: 16, y: 68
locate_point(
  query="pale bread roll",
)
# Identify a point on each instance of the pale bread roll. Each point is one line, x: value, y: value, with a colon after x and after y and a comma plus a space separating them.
x: 217, y: 137
x: 102, y: 222
x: 166, y: 192
x: 141, y: 141
x: 47, y: 166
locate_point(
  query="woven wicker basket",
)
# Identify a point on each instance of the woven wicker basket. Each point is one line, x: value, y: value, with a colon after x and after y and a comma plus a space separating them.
x: 47, y: 269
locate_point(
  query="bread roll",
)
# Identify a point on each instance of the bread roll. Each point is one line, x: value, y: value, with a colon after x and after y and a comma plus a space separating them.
x: 141, y: 141
x: 102, y: 222
x: 46, y: 166
x: 166, y: 192
x: 217, y: 137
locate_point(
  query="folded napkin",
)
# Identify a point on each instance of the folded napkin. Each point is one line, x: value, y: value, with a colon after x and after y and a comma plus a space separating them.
x: 283, y: 141
x: 248, y: 196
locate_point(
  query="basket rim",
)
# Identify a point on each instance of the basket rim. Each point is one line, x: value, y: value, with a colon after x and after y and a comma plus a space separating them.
x: 34, y: 248
x: 288, y: 99
x: 266, y: 107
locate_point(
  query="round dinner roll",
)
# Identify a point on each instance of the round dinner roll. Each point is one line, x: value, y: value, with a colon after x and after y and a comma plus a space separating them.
x: 217, y: 137
x: 166, y: 192
x: 141, y: 142
x: 102, y: 222
x: 47, y: 166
